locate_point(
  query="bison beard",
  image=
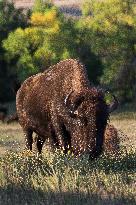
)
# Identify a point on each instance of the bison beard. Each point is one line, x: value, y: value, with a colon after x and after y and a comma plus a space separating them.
x: 61, y: 105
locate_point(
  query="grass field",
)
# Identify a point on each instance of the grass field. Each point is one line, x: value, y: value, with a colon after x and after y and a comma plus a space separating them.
x: 55, y: 179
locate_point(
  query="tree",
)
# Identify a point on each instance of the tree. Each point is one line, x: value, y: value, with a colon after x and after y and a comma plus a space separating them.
x: 10, y: 19
x: 112, y: 36
x: 46, y: 41
x: 41, y: 5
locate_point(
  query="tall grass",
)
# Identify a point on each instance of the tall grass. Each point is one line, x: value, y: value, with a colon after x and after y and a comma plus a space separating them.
x: 56, y: 179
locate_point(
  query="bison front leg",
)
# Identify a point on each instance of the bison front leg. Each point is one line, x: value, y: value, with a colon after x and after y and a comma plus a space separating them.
x: 57, y: 135
x: 28, y: 138
x: 39, y: 144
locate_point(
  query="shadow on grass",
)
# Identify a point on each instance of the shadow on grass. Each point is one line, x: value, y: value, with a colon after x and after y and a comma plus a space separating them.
x: 15, y: 195
x: 127, y: 163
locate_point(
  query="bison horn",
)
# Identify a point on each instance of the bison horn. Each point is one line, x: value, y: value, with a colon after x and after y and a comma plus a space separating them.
x: 114, y: 104
x: 67, y: 103
x: 72, y: 111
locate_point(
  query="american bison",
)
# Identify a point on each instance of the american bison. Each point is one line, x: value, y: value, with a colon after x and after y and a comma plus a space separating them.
x: 61, y: 104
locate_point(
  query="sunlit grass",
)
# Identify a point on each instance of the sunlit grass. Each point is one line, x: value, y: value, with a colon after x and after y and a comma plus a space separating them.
x: 109, y: 177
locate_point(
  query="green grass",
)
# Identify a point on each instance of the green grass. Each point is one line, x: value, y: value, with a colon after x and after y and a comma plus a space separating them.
x: 56, y: 179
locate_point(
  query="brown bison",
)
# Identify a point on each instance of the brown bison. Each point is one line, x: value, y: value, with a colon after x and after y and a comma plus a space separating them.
x: 61, y: 105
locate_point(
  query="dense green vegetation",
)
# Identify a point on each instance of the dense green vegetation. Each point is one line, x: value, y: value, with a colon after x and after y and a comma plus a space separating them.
x: 10, y: 19
x: 104, y: 39
x: 111, y: 33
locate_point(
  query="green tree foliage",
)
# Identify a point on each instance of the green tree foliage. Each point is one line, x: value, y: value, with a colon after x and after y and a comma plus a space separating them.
x: 104, y: 39
x: 86, y: 55
x: 86, y: 7
x: 41, y: 5
x: 49, y: 39
x: 110, y: 27
x: 10, y: 19
x: 46, y: 41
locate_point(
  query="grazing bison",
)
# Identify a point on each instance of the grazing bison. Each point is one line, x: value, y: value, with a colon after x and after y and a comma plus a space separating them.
x: 111, y: 140
x: 60, y: 104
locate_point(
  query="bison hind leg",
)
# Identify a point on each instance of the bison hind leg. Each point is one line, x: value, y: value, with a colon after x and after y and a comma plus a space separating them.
x: 28, y: 138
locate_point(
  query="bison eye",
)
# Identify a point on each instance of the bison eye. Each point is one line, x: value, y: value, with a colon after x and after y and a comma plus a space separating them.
x: 84, y: 121
x: 73, y: 115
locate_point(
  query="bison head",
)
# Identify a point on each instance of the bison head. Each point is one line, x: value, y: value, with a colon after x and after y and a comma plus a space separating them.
x: 88, y: 112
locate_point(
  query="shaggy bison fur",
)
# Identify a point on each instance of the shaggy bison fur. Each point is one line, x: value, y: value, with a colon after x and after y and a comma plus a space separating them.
x: 111, y: 140
x: 61, y: 105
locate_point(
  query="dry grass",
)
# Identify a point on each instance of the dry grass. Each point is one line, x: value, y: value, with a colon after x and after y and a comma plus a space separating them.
x: 55, y: 179
x: 125, y: 122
